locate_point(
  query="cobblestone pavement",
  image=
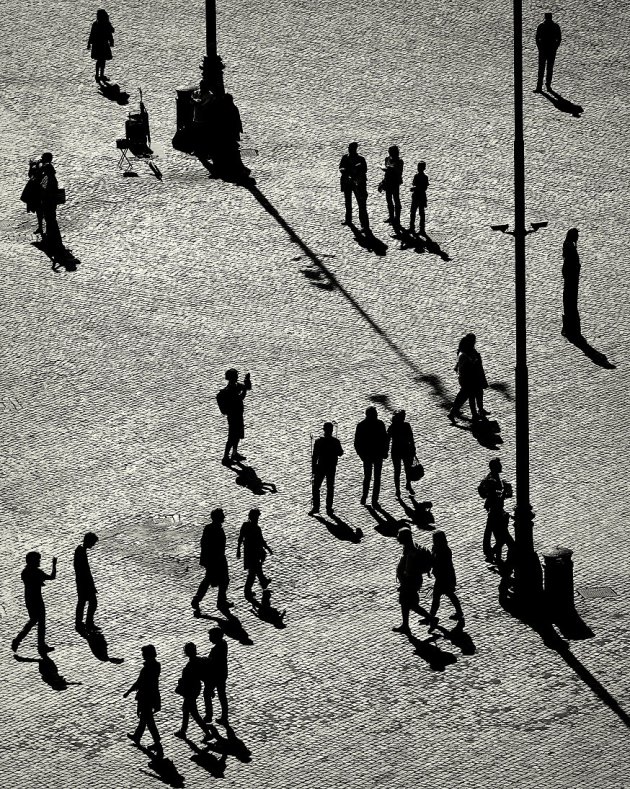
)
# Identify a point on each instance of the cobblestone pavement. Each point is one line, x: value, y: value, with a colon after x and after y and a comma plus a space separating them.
x: 110, y: 371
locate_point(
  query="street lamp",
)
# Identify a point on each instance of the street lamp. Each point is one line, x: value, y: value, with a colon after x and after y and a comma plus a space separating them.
x: 527, y: 569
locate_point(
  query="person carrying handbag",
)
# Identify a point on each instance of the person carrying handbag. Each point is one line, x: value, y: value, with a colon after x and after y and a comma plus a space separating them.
x: 402, y: 447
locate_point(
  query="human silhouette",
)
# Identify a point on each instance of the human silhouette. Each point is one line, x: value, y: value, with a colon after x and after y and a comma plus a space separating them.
x: 494, y: 490
x: 571, y: 326
x: 203, y: 124
x: 402, y: 448
x: 32, y: 193
x: 392, y: 180
x: 86, y: 589
x: 255, y: 550
x: 353, y: 181
x: 326, y: 452
x: 472, y: 380
x: 49, y: 201
x: 445, y: 580
x: 265, y: 611
x: 548, y: 38
x: 212, y: 558
x: 101, y: 41
x: 419, y: 188
x: 189, y: 687
x: 414, y: 562
x: 148, y: 700
x: 230, y: 400
x: 370, y: 444
x: 34, y: 578
x: 215, y: 675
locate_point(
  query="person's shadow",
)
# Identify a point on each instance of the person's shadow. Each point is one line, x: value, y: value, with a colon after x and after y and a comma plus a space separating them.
x: 113, y: 92
x: 386, y: 524
x: 485, y: 431
x: 597, y: 357
x: 459, y: 638
x: 562, y: 104
x: 231, y: 627
x: 368, y: 241
x: 436, y: 658
x: 419, y: 513
x: 60, y: 258
x: 206, y: 760
x: 99, y: 646
x: 421, y: 244
x: 340, y: 529
x: 48, y: 671
x: 163, y: 769
x: 232, y: 745
x: 247, y: 477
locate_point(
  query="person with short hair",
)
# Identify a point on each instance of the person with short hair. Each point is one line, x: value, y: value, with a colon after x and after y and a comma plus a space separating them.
x: 392, y: 180
x: 494, y: 491
x: 34, y: 578
x: 411, y: 566
x: 326, y: 452
x: 370, y: 444
x: 212, y: 558
x: 189, y: 687
x: 445, y: 580
x: 215, y: 675
x: 402, y: 448
x: 101, y: 41
x: 420, y: 184
x: 230, y: 400
x: 148, y: 700
x: 353, y: 168
x: 86, y: 589
x: 255, y: 550
x: 548, y: 38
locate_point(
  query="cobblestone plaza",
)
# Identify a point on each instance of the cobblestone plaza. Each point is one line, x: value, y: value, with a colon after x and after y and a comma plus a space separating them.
x: 110, y: 371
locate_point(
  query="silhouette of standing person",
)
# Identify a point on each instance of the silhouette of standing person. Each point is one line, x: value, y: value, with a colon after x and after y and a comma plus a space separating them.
x: 189, y: 687
x: 32, y: 194
x: 353, y: 181
x: 445, y: 580
x: 86, y: 589
x: 49, y: 195
x: 148, y: 700
x: 101, y: 41
x: 494, y: 490
x: 472, y: 379
x: 230, y: 400
x: 392, y: 180
x: 412, y: 564
x: 326, y: 452
x: 33, y: 578
x: 212, y: 557
x: 548, y: 38
x: 419, y: 198
x: 255, y: 550
x: 402, y: 448
x: 571, y: 274
x: 370, y: 444
x: 215, y: 675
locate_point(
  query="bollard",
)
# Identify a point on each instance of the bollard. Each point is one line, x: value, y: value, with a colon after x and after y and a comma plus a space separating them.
x: 559, y: 581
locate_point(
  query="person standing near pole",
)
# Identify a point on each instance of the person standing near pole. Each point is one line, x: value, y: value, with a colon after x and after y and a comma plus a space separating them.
x: 326, y: 452
x: 255, y: 550
x: 33, y: 578
x: 86, y: 589
x: 494, y: 490
x: 548, y: 38
x: 419, y: 198
x: 370, y: 444
x: 148, y: 700
x: 212, y: 558
x: 230, y: 400
x: 571, y: 326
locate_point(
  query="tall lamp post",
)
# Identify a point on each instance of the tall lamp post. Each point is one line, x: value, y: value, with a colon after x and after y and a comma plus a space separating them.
x: 527, y: 569
x: 212, y: 68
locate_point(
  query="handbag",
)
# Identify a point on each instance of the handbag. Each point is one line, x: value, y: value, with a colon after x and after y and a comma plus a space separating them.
x: 416, y: 470
x: 60, y: 196
x: 30, y: 191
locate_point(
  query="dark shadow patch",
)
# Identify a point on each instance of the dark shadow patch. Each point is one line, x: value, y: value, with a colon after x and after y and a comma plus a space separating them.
x: 436, y: 658
x: 231, y: 745
x: 247, y: 477
x: 459, y: 638
x: 419, y: 513
x: 231, y: 627
x: 206, y: 760
x: 113, y: 92
x: 340, y: 529
x: 99, y: 646
x: 597, y: 357
x: 386, y: 524
x: 48, y: 671
x: 562, y: 104
x: 61, y: 257
x: 368, y: 241
x: 421, y: 244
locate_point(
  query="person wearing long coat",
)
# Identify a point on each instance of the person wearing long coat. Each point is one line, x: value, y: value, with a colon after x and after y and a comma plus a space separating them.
x: 402, y: 448
x: 571, y: 274
x: 100, y: 42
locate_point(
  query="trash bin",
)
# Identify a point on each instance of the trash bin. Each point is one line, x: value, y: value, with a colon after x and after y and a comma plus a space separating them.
x: 558, y: 568
x: 184, y: 106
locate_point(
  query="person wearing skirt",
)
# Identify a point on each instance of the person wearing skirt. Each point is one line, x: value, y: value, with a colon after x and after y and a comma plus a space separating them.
x: 101, y: 41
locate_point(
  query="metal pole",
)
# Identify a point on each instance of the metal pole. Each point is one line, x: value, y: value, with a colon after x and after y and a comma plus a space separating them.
x: 211, y: 28
x: 528, y: 575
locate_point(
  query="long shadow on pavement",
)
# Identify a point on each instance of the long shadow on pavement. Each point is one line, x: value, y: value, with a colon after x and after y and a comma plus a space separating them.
x: 163, y: 769
x: 340, y: 529
x: 459, y: 638
x: 64, y: 258
x: 247, y: 477
x: 48, y: 671
x: 99, y: 646
x: 419, y: 513
x: 562, y: 104
x: 426, y: 648
x: 113, y: 92
x: 232, y: 745
x: 597, y: 357
x: 367, y: 240
x: 386, y: 523
x: 231, y: 627
x: 207, y: 761
x: 485, y: 431
x: 409, y: 240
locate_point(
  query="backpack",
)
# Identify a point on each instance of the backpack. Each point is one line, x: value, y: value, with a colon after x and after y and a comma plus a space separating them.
x: 418, y: 563
x: 223, y: 399
x: 484, y: 488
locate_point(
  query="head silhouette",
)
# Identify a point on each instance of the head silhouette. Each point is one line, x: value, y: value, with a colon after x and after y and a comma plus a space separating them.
x: 149, y: 652
x: 394, y: 151
x: 217, y: 515
x: 495, y: 466
x: 399, y: 416
x: 572, y: 234
x: 404, y: 536
x: 467, y: 343
x: 33, y: 558
x: 90, y: 539
x: 47, y: 157
x: 548, y: 17
x: 328, y: 428
x: 439, y: 540
x: 102, y: 15
x: 231, y: 375
x: 190, y: 649
x: 215, y: 634
x: 371, y: 413
x: 254, y: 515
x: 422, y: 166
x: 352, y: 147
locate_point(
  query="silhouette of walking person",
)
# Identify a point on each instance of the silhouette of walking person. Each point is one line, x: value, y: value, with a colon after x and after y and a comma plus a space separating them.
x: 494, y: 490
x: 189, y: 687
x: 34, y: 578
x: 392, y: 180
x: 419, y: 198
x: 402, y: 448
x: 571, y: 274
x: 86, y: 589
x: 414, y: 562
x: 472, y: 380
x: 212, y: 558
x: 32, y: 193
x: 101, y: 41
x: 548, y: 38
x: 49, y: 200
x: 255, y: 550
x: 148, y: 701
x: 326, y: 452
x: 445, y: 580
x: 230, y: 400
x: 215, y: 675
x: 370, y: 444
x: 353, y: 181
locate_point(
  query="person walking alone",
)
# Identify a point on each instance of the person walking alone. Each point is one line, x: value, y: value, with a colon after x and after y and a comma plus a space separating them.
x: 402, y: 448
x: 255, y: 550
x: 392, y: 180
x: 548, y: 38
x: 86, y: 589
x: 326, y: 452
x: 571, y: 324
x: 494, y: 490
x: 230, y: 401
x: 34, y: 578
x: 370, y: 444
x: 148, y: 700
x: 445, y: 580
x: 101, y: 41
x: 419, y: 198
x: 212, y: 558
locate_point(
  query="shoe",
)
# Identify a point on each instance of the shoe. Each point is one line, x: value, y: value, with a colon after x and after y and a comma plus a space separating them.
x: 483, y: 412
x: 15, y: 644
x: 537, y: 89
x: 228, y: 604
x: 375, y: 504
x: 265, y: 583
x: 181, y: 734
x: 347, y: 222
x: 363, y: 500
x: 207, y: 737
x: 330, y: 511
x: 452, y: 417
x: 401, y: 629
x: 238, y: 456
x: 410, y: 490
x: 39, y: 231
x: 80, y: 628
x: 44, y: 649
x: 197, y: 613
x: 314, y: 511
x: 135, y: 739
x: 398, y: 495
x: 222, y: 720
x: 433, y: 623
x: 97, y: 78
x: 105, y: 79
x: 226, y: 462
x: 195, y: 603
